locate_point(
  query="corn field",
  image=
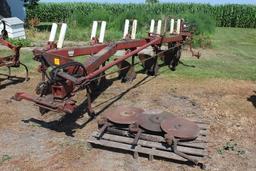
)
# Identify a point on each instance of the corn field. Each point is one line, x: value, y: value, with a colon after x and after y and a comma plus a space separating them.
x: 225, y: 15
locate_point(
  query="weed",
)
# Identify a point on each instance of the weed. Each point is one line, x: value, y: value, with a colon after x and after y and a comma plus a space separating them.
x: 20, y: 42
x: 5, y: 158
x: 230, y: 146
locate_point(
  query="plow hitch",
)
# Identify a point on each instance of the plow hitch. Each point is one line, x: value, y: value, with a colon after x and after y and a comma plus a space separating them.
x: 47, y: 103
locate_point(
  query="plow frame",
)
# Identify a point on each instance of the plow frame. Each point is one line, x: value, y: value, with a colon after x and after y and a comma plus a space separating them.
x: 94, y: 67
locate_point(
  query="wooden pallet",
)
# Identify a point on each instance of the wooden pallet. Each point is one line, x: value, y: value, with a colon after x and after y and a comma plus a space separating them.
x: 196, y: 149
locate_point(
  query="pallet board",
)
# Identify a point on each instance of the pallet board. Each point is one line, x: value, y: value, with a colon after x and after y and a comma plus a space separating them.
x: 196, y: 149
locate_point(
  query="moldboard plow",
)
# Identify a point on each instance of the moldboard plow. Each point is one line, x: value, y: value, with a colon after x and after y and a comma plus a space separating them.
x: 63, y: 77
x: 11, y: 61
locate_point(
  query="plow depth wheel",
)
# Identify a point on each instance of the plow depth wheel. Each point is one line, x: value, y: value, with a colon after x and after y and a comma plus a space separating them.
x: 43, y: 88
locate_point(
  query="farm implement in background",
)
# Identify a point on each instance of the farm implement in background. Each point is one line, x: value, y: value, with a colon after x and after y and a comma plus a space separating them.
x: 63, y: 77
x: 11, y: 61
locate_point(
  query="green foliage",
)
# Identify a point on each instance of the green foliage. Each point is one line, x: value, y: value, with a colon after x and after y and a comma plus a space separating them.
x: 20, y: 42
x: 151, y: 1
x: 202, y: 26
x: 224, y: 15
x: 5, y: 158
x: 202, y: 23
x: 117, y: 22
x: 202, y: 40
x: 83, y: 19
x: 31, y: 3
x: 230, y: 146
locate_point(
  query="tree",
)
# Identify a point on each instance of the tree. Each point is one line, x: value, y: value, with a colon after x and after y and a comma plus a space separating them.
x: 31, y: 3
x: 151, y: 1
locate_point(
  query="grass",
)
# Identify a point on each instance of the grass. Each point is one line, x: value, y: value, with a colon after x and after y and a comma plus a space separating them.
x: 233, y: 56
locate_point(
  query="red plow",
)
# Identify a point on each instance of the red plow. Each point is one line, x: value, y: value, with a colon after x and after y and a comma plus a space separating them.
x: 63, y: 77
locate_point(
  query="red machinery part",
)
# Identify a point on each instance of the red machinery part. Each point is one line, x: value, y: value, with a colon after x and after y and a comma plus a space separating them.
x: 97, y: 64
x: 47, y: 103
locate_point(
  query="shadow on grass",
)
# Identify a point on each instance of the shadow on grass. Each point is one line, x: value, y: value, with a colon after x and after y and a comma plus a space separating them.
x: 252, y: 99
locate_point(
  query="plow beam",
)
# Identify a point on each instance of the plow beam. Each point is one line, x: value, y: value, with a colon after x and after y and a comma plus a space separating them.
x: 120, y: 45
x: 47, y: 102
x: 117, y: 61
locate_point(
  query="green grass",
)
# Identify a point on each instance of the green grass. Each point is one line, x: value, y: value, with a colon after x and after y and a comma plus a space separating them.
x: 233, y: 56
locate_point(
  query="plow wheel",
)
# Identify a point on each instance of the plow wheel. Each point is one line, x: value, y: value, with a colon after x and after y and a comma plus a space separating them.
x: 149, y: 64
x: 126, y: 71
x: 43, y: 88
x: 73, y: 68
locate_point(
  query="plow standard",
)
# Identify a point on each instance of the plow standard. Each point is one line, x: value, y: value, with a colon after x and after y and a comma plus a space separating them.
x: 63, y: 77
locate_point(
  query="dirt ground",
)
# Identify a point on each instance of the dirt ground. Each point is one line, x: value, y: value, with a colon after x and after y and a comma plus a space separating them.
x: 29, y: 141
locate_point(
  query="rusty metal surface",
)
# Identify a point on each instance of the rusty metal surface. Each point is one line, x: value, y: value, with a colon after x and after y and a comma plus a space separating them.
x: 180, y: 128
x: 47, y: 102
x: 151, y: 121
x: 123, y: 114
